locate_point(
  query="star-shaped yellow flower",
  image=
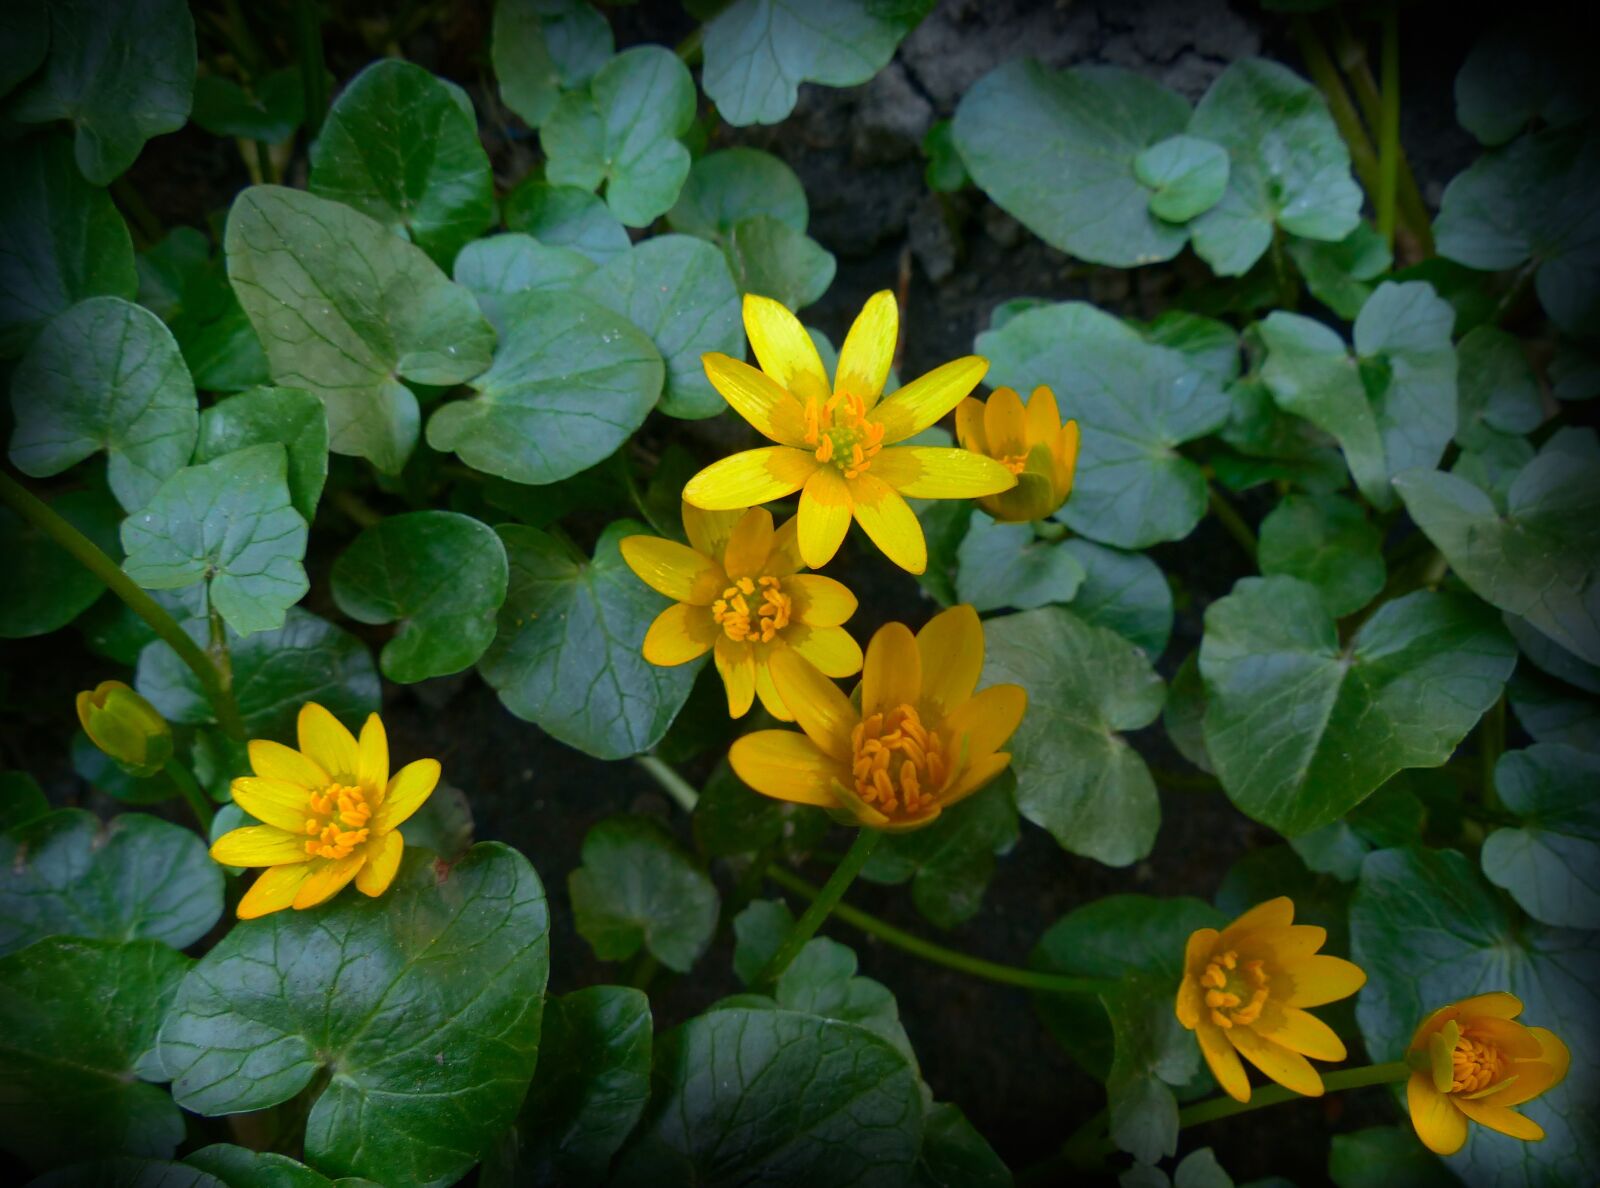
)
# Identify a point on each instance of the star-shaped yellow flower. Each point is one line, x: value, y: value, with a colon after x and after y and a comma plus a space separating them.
x: 1030, y: 441
x: 330, y: 812
x: 738, y: 592
x: 836, y: 444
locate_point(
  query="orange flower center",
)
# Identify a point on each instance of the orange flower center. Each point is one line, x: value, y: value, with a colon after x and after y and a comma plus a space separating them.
x: 1235, y: 991
x: 900, y: 765
x: 1015, y: 463
x: 338, y: 823
x: 841, y: 433
x: 734, y: 615
x: 1475, y: 1065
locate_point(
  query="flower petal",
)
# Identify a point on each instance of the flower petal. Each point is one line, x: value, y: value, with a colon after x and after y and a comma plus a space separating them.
x: 824, y: 518
x: 1441, y: 1127
x: 1518, y: 1126
x: 273, y: 802
x: 746, y: 479
x: 667, y: 567
x: 976, y: 775
x: 325, y: 739
x: 1005, y: 424
x: 892, y: 675
x: 383, y: 859
x: 1274, y: 913
x: 1293, y: 943
x: 758, y: 398
x: 925, y: 399
x: 951, y: 647
x: 830, y: 649
x: 1300, y: 1031
x: 679, y: 634
x: 1190, y: 1004
x: 940, y: 472
x: 1290, y: 1069
x: 1513, y: 1039
x: 736, y: 665
x: 786, y: 558
x: 819, y: 601
x: 273, y: 891
x: 969, y: 426
x: 1043, y: 416
x: 868, y: 350
x: 372, y: 772
x: 1322, y: 979
x: 708, y: 531
x: 783, y: 348
x: 327, y: 879
x: 1535, y: 1076
x: 259, y: 845
x: 786, y: 765
x: 749, y: 544
x: 889, y: 521
x: 1498, y: 1004
x: 822, y: 711
x: 1197, y: 951
x: 1223, y: 1061
x: 407, y: 790
x: 767, y: 692
x: 981, y: 725
x: 274, y: 761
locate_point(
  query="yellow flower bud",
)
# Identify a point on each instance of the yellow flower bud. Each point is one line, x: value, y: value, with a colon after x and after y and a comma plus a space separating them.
x: 1031, y: 442
x: 126, y: 727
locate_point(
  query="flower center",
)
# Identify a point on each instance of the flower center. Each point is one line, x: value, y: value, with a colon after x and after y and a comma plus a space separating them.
x: 841, y: 433
x: 733, y: 612
x: 1015, y: 463
x: 1235, y: 991
x: 338, y: 823
x: 899, y: 764
x: 1475, y: 1066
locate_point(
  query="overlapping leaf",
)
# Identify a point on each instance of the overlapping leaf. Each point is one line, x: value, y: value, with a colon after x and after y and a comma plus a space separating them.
x: 291, y: 417
x: 541, y: 47
x: 1549, y: 861
x: 51, y: 588
x: 637, y: 887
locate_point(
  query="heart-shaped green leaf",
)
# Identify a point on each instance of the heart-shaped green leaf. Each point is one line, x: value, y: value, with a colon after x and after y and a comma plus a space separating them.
x: 1338, y: 273
x: 1549, y: 862
x: 566, y: 216
x: 1524, y: 70
x: 269, y: 111
x: 1383, y: 1155
x: 292, y: 417
x: 502, y: 266
x: 1498, y: 388
x: 1327, y: 541
x: 1392, y: 816
x: 1187, y: 176
x: 822, y: 981
x: 540, y: 47
x: 51, y: 588
x: 421, y: 1008
x: 185, y: 284
x: 638, y: 887
x: 1005, y: 565
x: 768, y: 257
x: 738, y: 183
x: 1126, y: 592
x: 21, y: 799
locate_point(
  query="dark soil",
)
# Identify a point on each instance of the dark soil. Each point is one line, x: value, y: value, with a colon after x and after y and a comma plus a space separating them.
x: 857, y: 151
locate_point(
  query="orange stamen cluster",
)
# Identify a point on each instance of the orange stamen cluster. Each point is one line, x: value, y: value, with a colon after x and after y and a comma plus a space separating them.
x: 841, y: 433
x: 899, y: 764
x: 732, y: 610
x: 1475, y: 1066
x: 340, y: 821
x: 1015, y: 463
x: 1235, y: 992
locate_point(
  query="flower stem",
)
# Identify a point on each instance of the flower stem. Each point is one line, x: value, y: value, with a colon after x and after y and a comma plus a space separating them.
x: 822, y: 903
x: 1389, y: 126
x: 193, y: 793
x: 1332, y: 1082
x: 1230, y: 519
x: 992, y: 971
x: 673, y: 784
x: 88, y: 554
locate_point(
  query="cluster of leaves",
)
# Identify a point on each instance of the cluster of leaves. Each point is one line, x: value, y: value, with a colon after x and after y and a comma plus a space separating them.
x: 484, y: 361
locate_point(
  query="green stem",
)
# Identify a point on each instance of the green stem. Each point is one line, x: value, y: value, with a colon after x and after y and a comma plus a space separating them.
x: 199, y: 804
x: 1345, y: 117
x: 87, y: 553
x: 811, y: 919
x: 1233, y: 522
x: 1332, y: 1082
x: 673, y: 784
x: 1389, y: 126
x: 313, y: 68
x: 992, y: 971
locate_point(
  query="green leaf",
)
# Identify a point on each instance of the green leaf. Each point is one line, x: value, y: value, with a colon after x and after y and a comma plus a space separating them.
x: 1187, y: 176
x: 822, y: 981
x: 1289, y: 167
x: 1382, y: 1155
x: 1549, y: 862
x: 955, y: 1155
x: 61, y: 240
x: 1275, y: 443
x: 1126, y: 592
x: 24, y: 38
x: 638, y: 887
x: 105, y: 375
x: 1076, y: 775
x: 623, y: 131
x: 136, y: 878
x: 346, y: 309
x: 367, y: 157
x: 540, y: 47
x: 1003, y: 565
x: 21, y: 800
x: 678, y: 291
x: 771, y: 1096
x: 1211, y: 345
x: 50, y: 588
x: 1521, y: 71
x: 1135, y: 403
x: 567, y: 657
x: 101, y: 772
x: 1574, y: 373
x: 570, y: 383
x: 1328, y: 541
x: 1320, y: 900
x: 949, y: 864
x: 592, y: 1085
x: 1057, y: 151
x: 738, y: 183
x: 130, y: 1171
x: 442, y: 574
x: 1391, y: 816
x: 770, y: 258
x: 1541, y: 559
x: 503, y: 265
x: 1553, y: 713
x: 1301, y: 729
x: 240, y: 1167
x: 269, y: 111
x: 1338, y: 273
x: 1430, y: 931
x: 1551, y: 657
x: 730, y: 819
x: 1498, y: 387
x: 566, y: 216
x: 291, y: 417
x: 443, y: 824
x: 1531, y: 201
x: 228, y: 523
x: 1393, y: 407
x: 420, y: 1009
x: 1492, y: 462
x: 274, y: 674
x: 758, y: 52
x: 116, y: 100
x: 78, y: 1022
x: 759, y: 930
x: 1183, y: 715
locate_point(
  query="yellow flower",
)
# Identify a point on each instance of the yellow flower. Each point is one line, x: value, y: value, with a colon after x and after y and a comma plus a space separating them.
x: 1030, y: 442
x: 921, y: 740
x: 738, y: 592
x: 331, y: 814
x: 1244, y: 992
x: 834, y: 443
x: 126, y: 727
x: 1469, y: 1060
